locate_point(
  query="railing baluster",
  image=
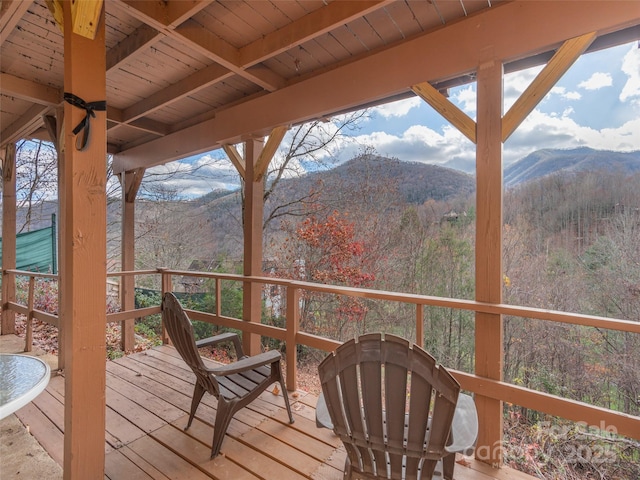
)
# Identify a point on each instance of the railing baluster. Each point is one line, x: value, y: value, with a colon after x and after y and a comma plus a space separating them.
x: 218, y: 296
x: 28, y: 341
x: 420, y: 325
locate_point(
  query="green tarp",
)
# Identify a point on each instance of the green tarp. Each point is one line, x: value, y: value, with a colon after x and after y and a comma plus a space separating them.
x: 36, y: 251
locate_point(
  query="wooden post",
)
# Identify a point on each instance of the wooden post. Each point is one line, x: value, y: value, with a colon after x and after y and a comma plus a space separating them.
x: 130, y: 182
x: 489, y: 336
x: 8, y: 323
x: 55, y: 126
x: 253, y: 213
x: 293, y: 323
x: 83, y: 256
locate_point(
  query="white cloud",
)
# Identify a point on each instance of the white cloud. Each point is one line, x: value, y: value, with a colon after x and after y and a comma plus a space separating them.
x: 567, y: 95
x: 198, y: 176
x: 597, y: 81
x: 541, y: 130
x: 465, y: 98
x: 631, y: 67
x: 397, y: 109
x: 419, y: 143
x: 517, y: 82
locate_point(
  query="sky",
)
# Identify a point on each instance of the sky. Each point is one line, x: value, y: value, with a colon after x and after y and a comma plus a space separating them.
x: 595, y: 104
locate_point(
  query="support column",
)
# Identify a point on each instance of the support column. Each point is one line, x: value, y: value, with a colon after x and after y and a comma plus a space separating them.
x: 83, y: 255
x: 489, y: 192
x: 253, y: 218
x: 130, y: 182
x: 55, y: 127
x: 8, y: 237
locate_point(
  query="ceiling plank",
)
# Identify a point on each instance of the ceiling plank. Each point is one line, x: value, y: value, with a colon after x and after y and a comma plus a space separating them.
x: 310, y: 26
x: 566, y: 56
x: 269, y: 150
x: 446, y: 108
x: 201, y: 79
x: 236, y: 159
x: 27, y: 90
x: 11, y: 12
x: 432, y: 56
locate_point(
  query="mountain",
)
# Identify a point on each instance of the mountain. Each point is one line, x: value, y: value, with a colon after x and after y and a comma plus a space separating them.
x: 553, y: 161
x: 412, y: 181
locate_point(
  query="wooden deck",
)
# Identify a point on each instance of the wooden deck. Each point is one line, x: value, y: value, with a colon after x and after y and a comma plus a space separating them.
x: 148, y: 396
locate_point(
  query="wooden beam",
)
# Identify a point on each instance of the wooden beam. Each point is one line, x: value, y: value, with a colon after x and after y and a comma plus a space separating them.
x: 566, y: 56
x: 236, y: 159
x: 11, y: 12
x: 142, y: 38
x: 311, y: 26
x: 13, y: 86
x: 488, y: 257
x: 541, y: 26
x: 446, y: 108
x: 28, y: 122
x: 131, y: 185
x: 269, y: 150
x: 86, y: 15
x: 213, y: 47
x: 83, y: 252
x: 163, y: 14
x: 173, y: 19
x: 8, y: 323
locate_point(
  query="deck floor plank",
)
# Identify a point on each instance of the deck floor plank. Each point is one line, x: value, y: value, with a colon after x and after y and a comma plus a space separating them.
x: 148, y: 398
x: 199, y: 453
x: 249, y: 456
x: 154, y: 404
x: 118, y: 466
x: 166, y: 461
x: 46, y: 432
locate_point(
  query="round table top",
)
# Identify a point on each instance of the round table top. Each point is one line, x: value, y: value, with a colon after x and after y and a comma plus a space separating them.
x: 22, y: 378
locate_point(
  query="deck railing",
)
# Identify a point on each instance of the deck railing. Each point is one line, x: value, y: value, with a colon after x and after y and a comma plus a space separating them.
x: 610, y: 420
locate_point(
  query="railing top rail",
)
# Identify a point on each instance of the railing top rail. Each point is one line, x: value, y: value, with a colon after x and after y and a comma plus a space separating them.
x: 429, y: 300
x: 27, y: 273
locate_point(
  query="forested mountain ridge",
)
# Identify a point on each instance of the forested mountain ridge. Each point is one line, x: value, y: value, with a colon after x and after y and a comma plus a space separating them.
x: 554, y: 161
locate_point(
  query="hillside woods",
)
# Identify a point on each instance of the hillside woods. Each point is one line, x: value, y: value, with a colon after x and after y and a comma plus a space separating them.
x: 571, y: 243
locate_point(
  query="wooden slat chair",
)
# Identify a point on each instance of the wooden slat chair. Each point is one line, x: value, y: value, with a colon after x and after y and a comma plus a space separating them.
x: 391, y: 406
x: 234, y: 385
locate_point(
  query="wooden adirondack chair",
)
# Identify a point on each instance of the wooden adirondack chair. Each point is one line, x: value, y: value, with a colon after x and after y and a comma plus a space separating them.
x: 391, y: 406
x: 234, y: 385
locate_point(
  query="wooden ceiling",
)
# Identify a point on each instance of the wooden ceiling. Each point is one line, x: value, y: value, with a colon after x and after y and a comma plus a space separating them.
x: 188, y: 76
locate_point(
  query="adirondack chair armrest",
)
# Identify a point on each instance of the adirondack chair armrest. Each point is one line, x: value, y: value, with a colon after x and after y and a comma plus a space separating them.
x: 248, y: 363
x: 223, y: 337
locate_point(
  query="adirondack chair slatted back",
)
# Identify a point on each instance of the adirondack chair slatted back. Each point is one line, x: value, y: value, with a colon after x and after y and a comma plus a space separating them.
x: 390, y: 404
x: 180, y: 331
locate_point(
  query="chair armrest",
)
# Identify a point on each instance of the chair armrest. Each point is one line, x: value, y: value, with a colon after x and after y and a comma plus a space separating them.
x: 248, y: 363
x: 464, y: 429
x: 223, y: 337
